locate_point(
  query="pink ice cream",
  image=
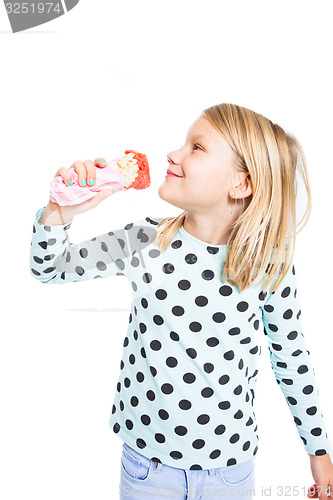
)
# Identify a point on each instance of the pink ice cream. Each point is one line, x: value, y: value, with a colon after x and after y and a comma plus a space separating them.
x: 130, y: 171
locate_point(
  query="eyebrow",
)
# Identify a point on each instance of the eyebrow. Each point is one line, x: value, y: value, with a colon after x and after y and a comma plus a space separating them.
x: 200, y: 137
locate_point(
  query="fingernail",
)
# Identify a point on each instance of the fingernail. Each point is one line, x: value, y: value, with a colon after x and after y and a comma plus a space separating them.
x: 84, y: 182
x: 103, y: 162
x: 91, y: 181
x: 70, y: 183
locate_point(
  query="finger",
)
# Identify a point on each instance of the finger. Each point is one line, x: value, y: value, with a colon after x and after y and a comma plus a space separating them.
x: 91, y: 172
x: 312, y: 491
x: 65, y: 174
x: 322, y: 493
x: 329, y: 492
x: 80, y: 169
x: 100, y: 162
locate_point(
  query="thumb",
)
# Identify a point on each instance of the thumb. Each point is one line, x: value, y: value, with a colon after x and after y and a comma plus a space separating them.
x: 105, y: 193
x: 100, y: 196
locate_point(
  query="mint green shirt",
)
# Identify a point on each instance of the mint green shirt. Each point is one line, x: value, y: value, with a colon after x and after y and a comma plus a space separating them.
x: 186, y: 388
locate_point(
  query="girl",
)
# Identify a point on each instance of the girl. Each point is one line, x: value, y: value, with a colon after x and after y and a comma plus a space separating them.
x: 206, y: 285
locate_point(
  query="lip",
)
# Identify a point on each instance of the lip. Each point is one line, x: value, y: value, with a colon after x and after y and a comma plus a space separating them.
x: 171, y: 174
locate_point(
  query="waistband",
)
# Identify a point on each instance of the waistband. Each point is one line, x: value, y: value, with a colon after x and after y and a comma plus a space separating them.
x: 146, y: 461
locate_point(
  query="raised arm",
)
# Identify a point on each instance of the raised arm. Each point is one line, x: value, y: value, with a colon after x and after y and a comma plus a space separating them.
x: 54, y: 259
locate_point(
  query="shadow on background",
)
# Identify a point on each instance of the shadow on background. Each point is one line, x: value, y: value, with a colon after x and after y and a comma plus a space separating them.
x: 110, y: 309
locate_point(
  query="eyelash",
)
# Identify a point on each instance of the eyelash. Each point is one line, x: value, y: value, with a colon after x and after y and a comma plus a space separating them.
x: 195, y: 145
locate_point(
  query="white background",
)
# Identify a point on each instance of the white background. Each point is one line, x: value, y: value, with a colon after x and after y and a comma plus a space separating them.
x: 109, y: 76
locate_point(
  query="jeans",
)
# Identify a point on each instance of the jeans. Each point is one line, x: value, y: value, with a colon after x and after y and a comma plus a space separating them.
x: 141, y: 477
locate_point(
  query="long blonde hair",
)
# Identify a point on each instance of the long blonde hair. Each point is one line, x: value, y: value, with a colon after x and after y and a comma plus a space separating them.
x: 261, y: 243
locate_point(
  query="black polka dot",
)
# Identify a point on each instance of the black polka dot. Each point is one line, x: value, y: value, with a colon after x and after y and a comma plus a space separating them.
x: 164, y: 415
x: 198, y: 443
x: 184, y: 285
x: 150, y: 395
x: 79, y: 270
x: 212, y: 341
x: 195, y: 326
x: 224, y: 379
x: 225, y: 290
x: 208, y: 367
x: 101, y: 266
x: 167, y: 388
x: 219, y: 317
x: 234, y: 438
x: 155, y: 345
x: 168, y: 268
x: 201, y: 301
x: 215, y: 454
x: 203, y: 419
x: 208, y: 274
x: 181, y: 430
x: 316, y: 432
x: 191, y: 258
x: 129, y: 424
x: 312, y: 410
x: 141, y: 443
x: 178, y: 311
x: 207, y: 392
x: 191, y: 352
x: 83, y: 252
x: 171, y: 362
x: 224, y: 405
x: 234, y: 331
x: 158, y: 320
x: 189, y: 378
x: 185, y: 404
x: 161, y: 294
x: 160, y: 438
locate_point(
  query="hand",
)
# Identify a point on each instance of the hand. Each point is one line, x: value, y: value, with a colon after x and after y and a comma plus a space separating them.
x: 322, y: 472
x: 86, y: 171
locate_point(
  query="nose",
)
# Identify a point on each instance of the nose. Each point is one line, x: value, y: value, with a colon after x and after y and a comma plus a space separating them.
x: 173, y: 157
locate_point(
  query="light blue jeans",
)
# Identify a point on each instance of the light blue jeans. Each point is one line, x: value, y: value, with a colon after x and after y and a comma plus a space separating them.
x: 141, y: 477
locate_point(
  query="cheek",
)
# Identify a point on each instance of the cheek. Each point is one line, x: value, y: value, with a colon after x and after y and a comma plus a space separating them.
x: 204, y: 185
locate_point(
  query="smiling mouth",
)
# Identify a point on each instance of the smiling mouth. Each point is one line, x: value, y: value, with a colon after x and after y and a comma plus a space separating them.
x: 171, y: 174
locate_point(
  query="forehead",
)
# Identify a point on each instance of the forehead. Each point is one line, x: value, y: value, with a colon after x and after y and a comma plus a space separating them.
x: 203, y: 130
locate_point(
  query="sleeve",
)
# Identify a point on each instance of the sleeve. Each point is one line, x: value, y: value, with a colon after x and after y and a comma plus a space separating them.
x: 292, y: 365
x: 54, y: 259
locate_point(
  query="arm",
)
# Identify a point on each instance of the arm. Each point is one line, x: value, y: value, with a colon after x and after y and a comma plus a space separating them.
x: 291, y: 362
x: 54, y: 259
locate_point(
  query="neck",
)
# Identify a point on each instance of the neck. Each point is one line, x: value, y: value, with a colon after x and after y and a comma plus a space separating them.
x: 212, y: 231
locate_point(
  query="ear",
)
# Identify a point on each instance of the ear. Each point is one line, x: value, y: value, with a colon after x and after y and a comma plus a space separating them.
x: 245, y: 188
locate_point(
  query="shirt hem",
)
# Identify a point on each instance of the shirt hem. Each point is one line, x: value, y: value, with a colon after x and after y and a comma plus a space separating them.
x: 149, y: 452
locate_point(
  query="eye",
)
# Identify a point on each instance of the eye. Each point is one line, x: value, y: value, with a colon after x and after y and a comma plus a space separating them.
x: 197, y: 146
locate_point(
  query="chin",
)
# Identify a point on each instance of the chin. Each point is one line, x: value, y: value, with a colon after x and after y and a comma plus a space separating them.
x: 168, y: 199
x: 161, y: 192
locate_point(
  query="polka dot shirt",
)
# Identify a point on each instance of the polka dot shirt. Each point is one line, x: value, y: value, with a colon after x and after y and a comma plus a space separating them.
x: 186, y: 389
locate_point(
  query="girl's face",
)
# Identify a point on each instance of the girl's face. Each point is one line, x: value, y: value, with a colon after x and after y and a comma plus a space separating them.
x: 206, y: 166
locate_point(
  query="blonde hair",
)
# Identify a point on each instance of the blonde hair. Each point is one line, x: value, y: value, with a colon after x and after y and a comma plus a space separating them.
x: 261, y: 243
